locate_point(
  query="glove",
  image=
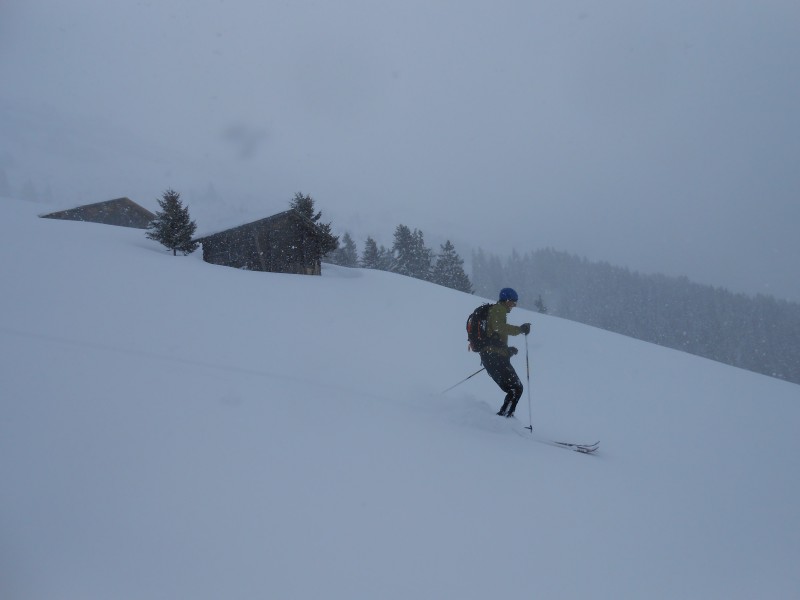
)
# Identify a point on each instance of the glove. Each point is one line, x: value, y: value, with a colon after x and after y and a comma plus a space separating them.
x: 525, y: 328
x: 512, y: 350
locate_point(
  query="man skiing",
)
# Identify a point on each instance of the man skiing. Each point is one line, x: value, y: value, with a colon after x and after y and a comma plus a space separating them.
x: 496, y: 356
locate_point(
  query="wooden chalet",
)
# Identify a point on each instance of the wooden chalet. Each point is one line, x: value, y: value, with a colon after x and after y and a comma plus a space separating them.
x: 120, y: 211
x: 286, y: 242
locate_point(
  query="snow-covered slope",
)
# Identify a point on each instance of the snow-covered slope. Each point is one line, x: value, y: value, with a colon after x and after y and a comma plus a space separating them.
x: 172, y: 429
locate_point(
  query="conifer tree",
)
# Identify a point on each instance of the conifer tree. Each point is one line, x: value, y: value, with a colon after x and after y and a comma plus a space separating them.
x: 305, y: 206
x: 386, y: 260
x: 172, y: 226
x: 449, y: 270
x: 375, y: 257
x: 346, y: 255
x: 422, y: 257
x: 370, y: 258
x: 539, y: 305
x: 326, y: 242
x: 403, y: 251
x: 411, y: 256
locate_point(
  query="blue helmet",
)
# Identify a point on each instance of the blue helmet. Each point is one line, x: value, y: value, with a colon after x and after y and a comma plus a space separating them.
x: 508, y: 294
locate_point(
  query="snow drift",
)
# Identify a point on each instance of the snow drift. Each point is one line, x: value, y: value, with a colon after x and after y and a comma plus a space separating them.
x: 173, y: 429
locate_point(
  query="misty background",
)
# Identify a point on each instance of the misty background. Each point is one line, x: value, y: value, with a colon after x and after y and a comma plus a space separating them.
x: 660, y: 137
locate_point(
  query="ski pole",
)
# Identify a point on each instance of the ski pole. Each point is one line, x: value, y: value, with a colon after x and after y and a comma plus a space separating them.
x: 528, y: 369
x: 463, y: 380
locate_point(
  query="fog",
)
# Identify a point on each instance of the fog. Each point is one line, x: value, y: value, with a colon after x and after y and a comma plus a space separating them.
x: 659, y: 136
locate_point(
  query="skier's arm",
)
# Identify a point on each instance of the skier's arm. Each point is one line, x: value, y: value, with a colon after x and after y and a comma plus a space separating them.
x: 497, y: 322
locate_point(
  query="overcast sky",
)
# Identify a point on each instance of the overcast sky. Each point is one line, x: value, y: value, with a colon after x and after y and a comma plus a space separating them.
x: 661, y: 136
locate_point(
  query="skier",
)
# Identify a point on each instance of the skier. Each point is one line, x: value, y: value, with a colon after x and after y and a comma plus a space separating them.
x: 496, y: 356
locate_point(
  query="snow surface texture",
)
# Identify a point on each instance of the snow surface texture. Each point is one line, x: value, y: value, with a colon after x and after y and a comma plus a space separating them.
x: 172, y: 429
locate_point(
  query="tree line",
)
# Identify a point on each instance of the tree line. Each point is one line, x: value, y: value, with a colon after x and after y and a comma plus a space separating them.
x: 756, y: 333
x: 408, y: 256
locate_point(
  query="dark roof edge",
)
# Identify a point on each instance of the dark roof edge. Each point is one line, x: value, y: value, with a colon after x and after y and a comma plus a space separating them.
x: 121, y: 199
x: 290, y: 212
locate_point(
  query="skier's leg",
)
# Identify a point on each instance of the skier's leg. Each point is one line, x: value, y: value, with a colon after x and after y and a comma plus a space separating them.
x: 514, y: 389
x: 495, y: 369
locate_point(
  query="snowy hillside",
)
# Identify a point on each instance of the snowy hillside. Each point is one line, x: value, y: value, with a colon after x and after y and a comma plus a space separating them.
x: 171, y: 429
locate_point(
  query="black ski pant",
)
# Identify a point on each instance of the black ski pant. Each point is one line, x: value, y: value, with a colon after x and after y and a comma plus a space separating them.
x: 500, y: 370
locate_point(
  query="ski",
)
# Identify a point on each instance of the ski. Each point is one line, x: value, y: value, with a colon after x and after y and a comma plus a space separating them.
x: 582, y: 448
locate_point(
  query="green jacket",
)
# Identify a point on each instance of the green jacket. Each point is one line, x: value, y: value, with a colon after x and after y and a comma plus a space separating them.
x: 499, y: 329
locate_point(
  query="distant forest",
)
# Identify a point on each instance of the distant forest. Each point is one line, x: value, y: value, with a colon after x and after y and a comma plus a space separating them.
x: 760, y: 333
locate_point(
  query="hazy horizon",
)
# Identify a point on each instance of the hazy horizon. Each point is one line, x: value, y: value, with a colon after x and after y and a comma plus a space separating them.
x: 661, y: 138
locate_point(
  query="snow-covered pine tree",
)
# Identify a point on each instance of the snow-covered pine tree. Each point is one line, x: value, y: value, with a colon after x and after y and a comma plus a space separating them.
x: 375, y: 257
x: 423, y: 257
x: 449, y: 270
x: 172, y: 226
x: 305, y: 206
x: 411, y: 256
x: 346, y: 255
x: 403, y: 251
x: 539, y: 305
x: 370, y: 256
